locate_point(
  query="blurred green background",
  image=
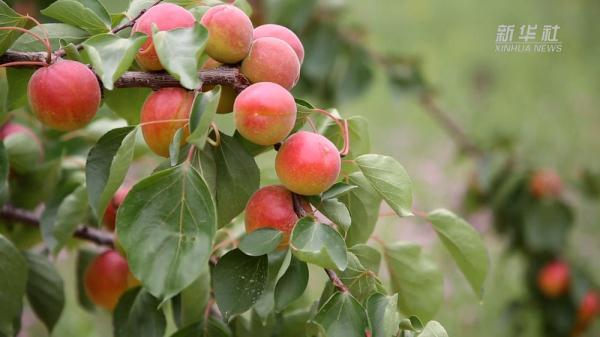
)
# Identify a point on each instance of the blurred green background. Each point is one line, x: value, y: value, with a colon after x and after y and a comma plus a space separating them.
x: 547, y: 104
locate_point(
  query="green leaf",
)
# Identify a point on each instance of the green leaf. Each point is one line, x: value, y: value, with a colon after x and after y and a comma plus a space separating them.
x: 261, y: 241
x: 127, y: 102
x: 23, y: 151
x: 57, y: 32
x: 72, y: 211
x: 337, y: 190
x: 244, y: 6
x: 368, y: 256
x: 29, y: 189
x: 279, y: 262
x: 171, y: 212
x: 342, y: 316
x: 412, y: 323
x: 239, y: 281
x: 214, y: 328
x: 107, y: 164
x: 10, y: 18
x: 334, y: 210
x: 175, y: 146
x: 111, y: 55
x: 137, y: 314
x: 433, y: 329
x: 18, y: 79
x: 3, y: 167
x: 363, y: 204
x: 464, y: 244
x: 546, y: 226
x: 179, y: 52
x: 45, y: 290
x: 236, y: 171
x: 291, y: 285
x: 88, y: 15
x: 195, y: 297
x: 383, y: 314
x: 415, y: 278
x: 203, y: 112
x: 361, y: 281
x: 13, y: 267
x: 389, y: 179
x: 318, y: 244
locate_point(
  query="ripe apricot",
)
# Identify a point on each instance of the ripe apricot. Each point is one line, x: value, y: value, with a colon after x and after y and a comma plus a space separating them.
x: 545, y: 183
x: 282, y: 33
x: 307, y: 163
x: 553, y: 279
x: 229, y: 33
x: 164, y: 112
x: 110, y: 215
x: 265, y: 113
x: 272, y: 207
x: 166, y: 16
x: 107, y: 278
x: 272, y: 60
x: 228, y: 95
x: 65, y: 95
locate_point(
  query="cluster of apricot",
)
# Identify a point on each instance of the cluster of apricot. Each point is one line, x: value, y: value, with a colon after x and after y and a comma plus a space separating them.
x: 66, y: 95
x: 554, y: 281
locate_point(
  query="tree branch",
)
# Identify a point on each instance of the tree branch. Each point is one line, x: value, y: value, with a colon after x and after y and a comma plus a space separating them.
x: 301, y: 212
x: 227, y: 76
x: 96, y: 236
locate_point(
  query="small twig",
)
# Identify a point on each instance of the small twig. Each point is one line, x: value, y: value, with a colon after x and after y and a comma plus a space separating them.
x: 38, y: 38
x: 132, y: 22
x: 454, y: 130
x: 301, y: 213
x: 343, y: 125
x: 96, y: 236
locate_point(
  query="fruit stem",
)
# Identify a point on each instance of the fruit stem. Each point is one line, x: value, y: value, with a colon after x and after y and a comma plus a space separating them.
x: 343, y: 125
x: 217, y: 140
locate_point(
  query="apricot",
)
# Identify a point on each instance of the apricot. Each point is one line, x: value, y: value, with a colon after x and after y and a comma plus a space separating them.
x: 272, y: 60
x: 553, y: 279
x: 229, y: 33
x: 545, y: 183
x: 307, y: 163
x: 589, y: 307
x: 65, y: 95
x: 10, y: 132
x: 228, y: 95
x: 282, y: 33
x: 272, y: 207
x: 265, y: 113
x: 164, y: 112
x: 107, y: 278
x: 166, y: 16
x: 110, y: 215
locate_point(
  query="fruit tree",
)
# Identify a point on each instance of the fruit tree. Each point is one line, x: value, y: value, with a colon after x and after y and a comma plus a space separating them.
x: 115, y: 148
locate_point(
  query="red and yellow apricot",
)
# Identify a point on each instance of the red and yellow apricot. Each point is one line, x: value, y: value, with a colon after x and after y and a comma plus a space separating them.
x: 272, y: 60
x: 164, y: 112
x: 282, y: 33
x: 65, y: 95
x: 107, y: 278
x: 307, y: 163
x: 229, y: 33
x: 166, y: 16
x: 553, y: 279
x: 265, y: 113
x: 272, y: 207
x: 110, y: 215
